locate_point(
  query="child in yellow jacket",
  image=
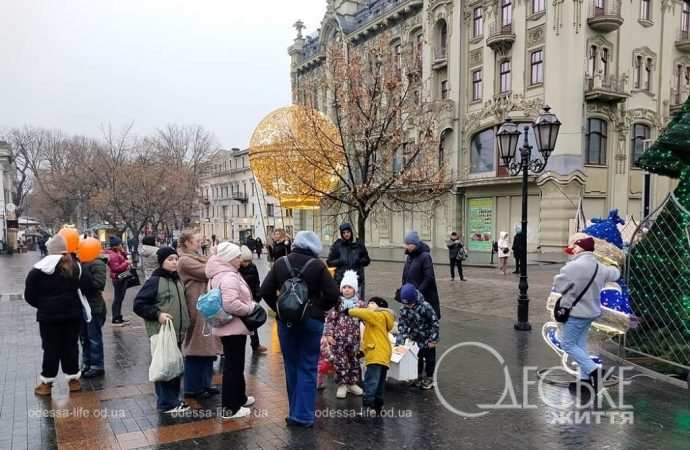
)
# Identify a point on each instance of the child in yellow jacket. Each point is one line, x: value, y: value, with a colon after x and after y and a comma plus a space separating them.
x: 378, y: 322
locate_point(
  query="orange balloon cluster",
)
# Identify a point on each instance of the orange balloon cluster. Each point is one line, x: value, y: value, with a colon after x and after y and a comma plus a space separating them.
x: 89, y: 249
x: 71, y: 237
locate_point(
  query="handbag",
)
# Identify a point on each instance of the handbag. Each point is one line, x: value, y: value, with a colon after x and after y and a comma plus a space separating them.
x: 255, y: 319
x: 561, y: 313
x: 462, y: 254
x: 130, y: 277
x: 167, y: 361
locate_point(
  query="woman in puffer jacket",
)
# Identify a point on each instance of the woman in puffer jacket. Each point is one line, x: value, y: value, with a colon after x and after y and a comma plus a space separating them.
x: 223, y: 271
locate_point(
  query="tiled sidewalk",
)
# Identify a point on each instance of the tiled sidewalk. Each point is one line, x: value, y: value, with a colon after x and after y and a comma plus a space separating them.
x: 118, y: 411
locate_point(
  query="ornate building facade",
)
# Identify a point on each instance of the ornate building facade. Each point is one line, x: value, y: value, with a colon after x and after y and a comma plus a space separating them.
x: 233, y: 205
x: 613, y: 71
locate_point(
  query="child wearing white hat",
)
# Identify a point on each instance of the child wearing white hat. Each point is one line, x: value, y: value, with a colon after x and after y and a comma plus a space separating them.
x: 343, y: 336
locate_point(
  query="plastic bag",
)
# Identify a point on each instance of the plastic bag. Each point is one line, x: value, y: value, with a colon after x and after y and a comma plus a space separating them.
x: 167, y: 361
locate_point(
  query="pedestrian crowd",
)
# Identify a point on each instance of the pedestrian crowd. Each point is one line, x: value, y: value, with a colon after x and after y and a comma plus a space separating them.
x: 325, y: 324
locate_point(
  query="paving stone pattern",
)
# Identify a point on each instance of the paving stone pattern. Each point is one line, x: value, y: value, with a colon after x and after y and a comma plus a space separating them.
x: 480, y: 309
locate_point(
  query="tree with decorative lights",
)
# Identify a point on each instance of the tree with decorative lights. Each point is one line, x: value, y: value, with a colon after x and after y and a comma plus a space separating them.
x: 658, y: 269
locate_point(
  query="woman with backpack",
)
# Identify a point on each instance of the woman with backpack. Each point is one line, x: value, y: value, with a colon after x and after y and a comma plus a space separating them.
x: 200, y: 351
x: 300, y: 340
x: 223, y: 271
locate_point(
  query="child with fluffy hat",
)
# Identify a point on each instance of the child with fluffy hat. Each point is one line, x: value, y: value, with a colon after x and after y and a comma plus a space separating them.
x: 343, y: 337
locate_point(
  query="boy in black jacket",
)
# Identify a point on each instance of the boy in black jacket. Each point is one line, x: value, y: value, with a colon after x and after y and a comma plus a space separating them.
x: 92, y: 283
x: 251, y: 275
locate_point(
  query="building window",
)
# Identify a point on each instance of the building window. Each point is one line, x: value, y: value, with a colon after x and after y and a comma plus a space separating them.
x: 637, y: 74
x: 443, y: 143
x: 506, y: 12
x: 645, y: 10
x: 648, y: 75
x: 288, y: 212
x: 505, y: 77
x: 641, y: 134
x: 596, y: 142
x: 478, y: 21
x: 537, y: 63
x: 269, y: 210
x: 444, y: 89
x: 419, y: 47
x: 477, y: 85
x: 685, y: 19
x: 398, y: 56
x: 482, y: 152
x: 442, y: 45
x: 591, y: 60
x: 537, y: 6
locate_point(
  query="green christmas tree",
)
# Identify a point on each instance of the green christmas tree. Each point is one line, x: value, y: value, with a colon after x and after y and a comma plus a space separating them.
x: 658, y: 273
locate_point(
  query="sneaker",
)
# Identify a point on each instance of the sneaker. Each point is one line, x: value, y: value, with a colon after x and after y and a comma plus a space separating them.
x: 427, y: 384
x: 44, y: 389
x: 93, y: 373
x: 415, y: 383
x: 182, y: 407
x: 354, y: 389
x: 242, y: 412
x: 120, y: 322
x: 74, y: 385
x: 250, y: 401
x: 293, y: 423
x: 341, y: 392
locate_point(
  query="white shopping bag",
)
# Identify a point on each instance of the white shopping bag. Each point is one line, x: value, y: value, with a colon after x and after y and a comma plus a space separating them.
x: 403, y: 365
x: 167, y: 361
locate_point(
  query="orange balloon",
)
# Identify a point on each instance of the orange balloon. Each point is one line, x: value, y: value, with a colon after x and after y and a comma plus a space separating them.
x: 89, y: 249
x: 71, y: 237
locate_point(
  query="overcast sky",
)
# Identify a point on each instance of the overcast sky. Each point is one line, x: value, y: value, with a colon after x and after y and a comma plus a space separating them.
x: 77, y: 64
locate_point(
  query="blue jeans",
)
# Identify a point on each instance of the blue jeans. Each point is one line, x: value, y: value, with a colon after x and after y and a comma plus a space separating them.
x: 167, y: 394
x: 301, y: 345
x: 574, y: 343
x: 374, y: 385
x: 198, y: 373
x: 91, y: 337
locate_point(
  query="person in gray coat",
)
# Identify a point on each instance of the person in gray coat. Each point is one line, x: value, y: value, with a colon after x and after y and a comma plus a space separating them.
x: 149, y: 261
x: 574, y: 279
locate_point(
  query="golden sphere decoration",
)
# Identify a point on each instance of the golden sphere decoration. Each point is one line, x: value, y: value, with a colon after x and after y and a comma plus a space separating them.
x: 294, y: 153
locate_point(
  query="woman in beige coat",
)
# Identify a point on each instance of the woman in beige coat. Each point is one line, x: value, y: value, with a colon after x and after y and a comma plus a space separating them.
x: 200, y: 351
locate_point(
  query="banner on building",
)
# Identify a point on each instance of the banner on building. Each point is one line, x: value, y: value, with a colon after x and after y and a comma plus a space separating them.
x: 480, y: 223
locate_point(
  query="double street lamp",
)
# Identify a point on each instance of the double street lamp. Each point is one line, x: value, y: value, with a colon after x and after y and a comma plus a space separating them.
x: 545, y: 128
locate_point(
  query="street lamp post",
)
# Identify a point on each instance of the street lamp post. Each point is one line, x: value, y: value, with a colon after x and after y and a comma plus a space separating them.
x: 546, y: 128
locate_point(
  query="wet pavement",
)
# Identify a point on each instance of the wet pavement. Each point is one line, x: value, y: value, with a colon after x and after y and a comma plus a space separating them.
x: 118, y: 411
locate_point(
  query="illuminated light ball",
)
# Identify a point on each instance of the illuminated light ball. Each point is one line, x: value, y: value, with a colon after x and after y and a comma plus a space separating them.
x: 295, y: 153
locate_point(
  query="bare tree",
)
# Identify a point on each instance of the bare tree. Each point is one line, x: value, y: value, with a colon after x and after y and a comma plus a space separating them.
x: 25, y: 144
x: 387, y: 150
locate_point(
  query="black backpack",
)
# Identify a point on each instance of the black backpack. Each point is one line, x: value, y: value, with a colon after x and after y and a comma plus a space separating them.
x: 293, y: 299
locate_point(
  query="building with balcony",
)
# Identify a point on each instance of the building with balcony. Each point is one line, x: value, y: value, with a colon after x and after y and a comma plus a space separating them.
x: 232, y: 203
x: 8, y: 173
x: 613, y: 71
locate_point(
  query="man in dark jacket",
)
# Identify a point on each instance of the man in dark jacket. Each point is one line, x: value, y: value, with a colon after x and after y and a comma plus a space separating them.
x: 519, y: 249
x: 250, y: 274
x: 456, y: 254
x: 419, y: 270
x: 349, y: 254
x: 301, y: 342
x: 92, y: 284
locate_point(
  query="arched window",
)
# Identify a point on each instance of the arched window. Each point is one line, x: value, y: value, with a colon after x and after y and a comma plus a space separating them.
x: 442, y: 146
x: 597, y: 133
x: 482, y: 150
x: 640, y: 134
x: 441, y: 40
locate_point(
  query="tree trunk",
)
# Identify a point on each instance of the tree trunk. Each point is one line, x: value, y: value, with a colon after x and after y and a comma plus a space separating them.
x: 361, y: 226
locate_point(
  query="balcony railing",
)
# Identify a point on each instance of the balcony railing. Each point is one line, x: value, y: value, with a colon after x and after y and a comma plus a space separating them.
x: 606, y: 89
x: 683, y: 41
x: 605, y: 15
x: 678, y: 97
x: 440, y: 56
x: 501, y: 37
x: 240, y: 197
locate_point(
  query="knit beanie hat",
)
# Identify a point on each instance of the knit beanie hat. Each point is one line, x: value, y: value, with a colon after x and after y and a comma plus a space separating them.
x: 227, y: 251
x: 350, y: 279
x: 163, y: 253
x: 587, y: 244
x: 115, y: 241
x: 408, y: 293
x: 56, y: 245
x: 381, y: 303
x: 412, y: 237
x: 308, y: 240
x: 245, y: 253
